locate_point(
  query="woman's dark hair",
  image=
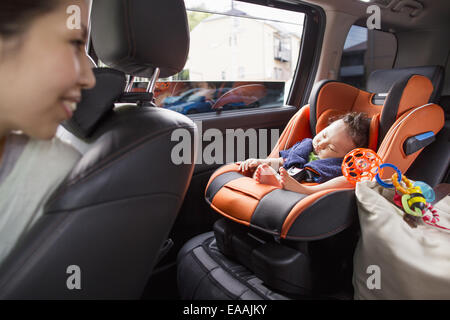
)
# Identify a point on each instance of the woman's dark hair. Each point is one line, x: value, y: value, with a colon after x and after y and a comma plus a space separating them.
x: 16, y: 15
x: 358, y: 126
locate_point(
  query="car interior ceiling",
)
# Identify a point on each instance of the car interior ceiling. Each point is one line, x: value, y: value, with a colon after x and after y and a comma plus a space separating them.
x: 414, y: 35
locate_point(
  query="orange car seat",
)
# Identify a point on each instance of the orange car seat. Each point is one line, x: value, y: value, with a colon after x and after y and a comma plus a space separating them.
x: 393, y: 128
x: 298, y: 223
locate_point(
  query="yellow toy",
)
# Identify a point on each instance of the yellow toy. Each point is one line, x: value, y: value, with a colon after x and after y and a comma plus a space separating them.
x: 412, y: 198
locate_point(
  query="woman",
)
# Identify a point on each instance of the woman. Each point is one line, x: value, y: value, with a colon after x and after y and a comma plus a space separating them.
x: 43, y: 68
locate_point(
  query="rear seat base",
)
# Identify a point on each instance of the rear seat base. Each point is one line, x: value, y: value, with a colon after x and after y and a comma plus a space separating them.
x: 280, y: 267
x: 217, y: 265
x: 203, y: 273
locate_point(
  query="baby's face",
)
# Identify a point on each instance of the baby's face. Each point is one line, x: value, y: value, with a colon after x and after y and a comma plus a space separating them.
x: 333, y: 141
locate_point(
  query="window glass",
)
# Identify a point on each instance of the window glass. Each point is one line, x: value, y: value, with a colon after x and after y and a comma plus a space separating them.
x: 365, y: 51
x: 241, y: 56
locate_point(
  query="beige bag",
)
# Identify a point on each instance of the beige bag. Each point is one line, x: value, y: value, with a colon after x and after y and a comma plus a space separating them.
x: 393, y: 260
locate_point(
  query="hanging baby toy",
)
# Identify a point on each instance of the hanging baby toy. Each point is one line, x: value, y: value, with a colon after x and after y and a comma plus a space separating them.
x: 360, y: 164
x: 414, y: 198
x: 412, y: 201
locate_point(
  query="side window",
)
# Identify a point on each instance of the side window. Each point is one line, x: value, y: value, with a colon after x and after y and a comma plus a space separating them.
x: 242, y: 56
x: 365, y: 51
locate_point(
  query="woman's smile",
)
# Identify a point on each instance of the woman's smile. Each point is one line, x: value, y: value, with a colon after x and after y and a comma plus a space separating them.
x: 69, y: 104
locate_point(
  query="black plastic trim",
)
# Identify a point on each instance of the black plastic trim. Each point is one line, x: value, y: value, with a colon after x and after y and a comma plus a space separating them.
x: 219, y: 182
x: 327, y: 216
x: 412, y: 144
x: 273, y: 208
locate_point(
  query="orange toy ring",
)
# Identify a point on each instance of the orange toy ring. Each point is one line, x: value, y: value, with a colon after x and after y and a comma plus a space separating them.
x: 360, y: 164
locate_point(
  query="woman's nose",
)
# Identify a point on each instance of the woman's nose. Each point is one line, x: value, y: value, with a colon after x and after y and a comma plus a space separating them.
x: 87, y: 78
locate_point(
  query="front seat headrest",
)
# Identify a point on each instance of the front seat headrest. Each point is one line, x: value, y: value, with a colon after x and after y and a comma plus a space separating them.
x: 381, y: 81
x: 97, y: 102
x: 137, y: 36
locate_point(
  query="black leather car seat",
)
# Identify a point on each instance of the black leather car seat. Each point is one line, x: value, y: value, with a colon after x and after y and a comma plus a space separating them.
x: 115, y: 209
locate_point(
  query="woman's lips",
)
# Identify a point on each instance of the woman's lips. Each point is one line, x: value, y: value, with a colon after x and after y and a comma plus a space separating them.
x: 70, y: 105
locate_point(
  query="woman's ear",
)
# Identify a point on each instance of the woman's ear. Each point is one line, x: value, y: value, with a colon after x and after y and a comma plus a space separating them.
x: 8, y: 46
x: 1, y: 49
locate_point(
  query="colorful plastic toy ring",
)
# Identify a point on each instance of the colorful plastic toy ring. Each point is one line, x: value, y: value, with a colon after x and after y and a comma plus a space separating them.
x: 417, y: 212
x: 399, y: 187
x: 417, y: 201
x: 384, y: 184
x: 427, y: 191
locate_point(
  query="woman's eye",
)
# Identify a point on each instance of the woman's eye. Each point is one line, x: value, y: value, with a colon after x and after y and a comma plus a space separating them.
x: 78, y: 43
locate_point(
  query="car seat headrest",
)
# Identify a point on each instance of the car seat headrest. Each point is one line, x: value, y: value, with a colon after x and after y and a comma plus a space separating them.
x: 380, y: 81
x: 332, y: 98
x: 97, y: 102
x: 137, y: 36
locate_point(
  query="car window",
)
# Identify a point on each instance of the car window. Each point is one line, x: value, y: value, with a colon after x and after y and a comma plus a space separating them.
x: 241, y: 56
x: 365, y: 51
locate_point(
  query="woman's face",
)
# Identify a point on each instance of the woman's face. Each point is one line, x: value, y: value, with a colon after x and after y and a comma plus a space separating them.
x: 43, y: 71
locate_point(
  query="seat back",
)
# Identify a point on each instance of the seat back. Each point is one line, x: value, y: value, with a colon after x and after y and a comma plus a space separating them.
x: 109, y: 218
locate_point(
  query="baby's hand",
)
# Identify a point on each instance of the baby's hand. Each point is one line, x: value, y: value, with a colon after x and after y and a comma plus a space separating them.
x: 249, y: 164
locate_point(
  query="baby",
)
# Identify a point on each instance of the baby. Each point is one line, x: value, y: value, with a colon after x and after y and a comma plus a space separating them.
x: 314, y: 160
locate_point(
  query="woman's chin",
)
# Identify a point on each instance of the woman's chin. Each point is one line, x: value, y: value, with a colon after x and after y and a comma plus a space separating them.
x: 43, y: 134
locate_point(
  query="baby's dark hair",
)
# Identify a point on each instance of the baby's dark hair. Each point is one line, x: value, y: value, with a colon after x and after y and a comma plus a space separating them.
x: 358, y: 126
